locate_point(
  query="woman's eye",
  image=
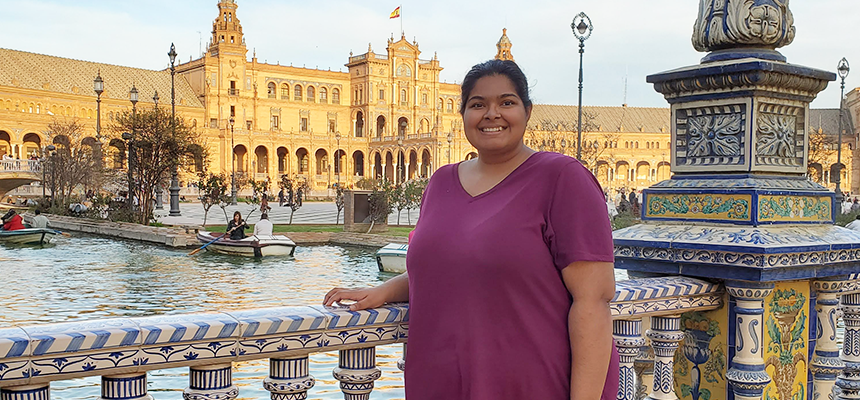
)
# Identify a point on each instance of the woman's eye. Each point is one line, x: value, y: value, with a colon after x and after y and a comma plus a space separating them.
x: 476, y: 105
x: 508, y: 103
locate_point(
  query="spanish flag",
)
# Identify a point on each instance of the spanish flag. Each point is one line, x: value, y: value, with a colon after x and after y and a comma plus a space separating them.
x: 395, y: 13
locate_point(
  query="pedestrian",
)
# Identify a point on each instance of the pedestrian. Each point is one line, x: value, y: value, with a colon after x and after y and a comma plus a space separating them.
x: 12, y: 221
x: 524, y: 233
x: 281, y: 198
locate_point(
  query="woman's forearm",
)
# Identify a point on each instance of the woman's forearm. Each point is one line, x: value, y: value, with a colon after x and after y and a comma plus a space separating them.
x: 397, y: 288
x: 590, y: 330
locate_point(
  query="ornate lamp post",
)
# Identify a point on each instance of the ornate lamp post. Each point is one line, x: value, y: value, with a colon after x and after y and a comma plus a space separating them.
x: 232, y: 165
x: 49, y: 149
x: 98, y: 87
x: 338, y: 165
x: 133, y: 97
x: 582, y: 28
x: 450, y: 139
x: 842, y: 69
x: 174, y: 175
x: 399, y: 160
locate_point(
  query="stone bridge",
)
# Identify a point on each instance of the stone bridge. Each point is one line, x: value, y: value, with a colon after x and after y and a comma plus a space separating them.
x: 15, y: 173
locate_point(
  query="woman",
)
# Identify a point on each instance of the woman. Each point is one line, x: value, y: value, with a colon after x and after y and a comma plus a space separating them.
x: 503, y: 244
x: 236, y: 227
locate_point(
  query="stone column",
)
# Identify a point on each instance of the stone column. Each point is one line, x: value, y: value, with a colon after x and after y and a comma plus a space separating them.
x: 208, y: 382
x: 289, y: 378
x: 356, y: 372
x: 747, y: 375
x: 628, y: 340
x: 125, y: 387
x: 665, y: 333
x: 29, y: 392
x: 848, y: 382
x: 825, y: 362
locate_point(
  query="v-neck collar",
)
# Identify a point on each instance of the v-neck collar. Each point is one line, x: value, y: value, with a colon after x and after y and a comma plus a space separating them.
x: 492, y: 189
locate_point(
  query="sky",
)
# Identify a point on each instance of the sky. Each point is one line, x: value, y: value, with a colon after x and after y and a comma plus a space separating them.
x: 631, y: 38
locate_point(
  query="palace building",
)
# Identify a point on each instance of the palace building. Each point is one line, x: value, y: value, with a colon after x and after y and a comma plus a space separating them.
x: 387, y: 116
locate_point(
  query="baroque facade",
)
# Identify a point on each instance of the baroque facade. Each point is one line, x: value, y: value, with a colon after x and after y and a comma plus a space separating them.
x: 387, y: 116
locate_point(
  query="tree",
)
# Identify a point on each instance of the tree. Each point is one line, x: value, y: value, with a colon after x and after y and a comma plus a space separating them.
x: 398, y: 200
x: 294, y: 189
x: 414, y: 193
x: 159, y: 144
x: 822, y: 147
x: 213, y: 190
x: 380, y: 204
x: 75, y: 162
x: 338, y: 202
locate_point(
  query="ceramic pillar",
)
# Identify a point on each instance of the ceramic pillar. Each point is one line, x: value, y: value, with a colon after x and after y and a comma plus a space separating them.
x: 30, y: 392
x: 356, y: 372
x: 825, y: 364
x: 848, y: 382
x: 125, y: 387
x: 747, y: 375
x: 628, y: 340
x: 207, y: 382
x: 665, y: 333
x: 401, y: 363
x: 289, y: 378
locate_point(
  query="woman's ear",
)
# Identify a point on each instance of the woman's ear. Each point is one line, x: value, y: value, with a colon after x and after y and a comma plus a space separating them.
x: 528, y: 113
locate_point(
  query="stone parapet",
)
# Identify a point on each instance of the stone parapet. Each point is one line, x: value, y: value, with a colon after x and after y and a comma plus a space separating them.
x: 172, y: 237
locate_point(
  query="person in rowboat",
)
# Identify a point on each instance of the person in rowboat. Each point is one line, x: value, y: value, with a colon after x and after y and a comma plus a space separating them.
x: 12, y: 221
x: 263, y: 226
x: 236, y: 227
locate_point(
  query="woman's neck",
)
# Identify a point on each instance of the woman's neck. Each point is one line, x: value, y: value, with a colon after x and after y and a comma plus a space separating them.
x: 504, y: 161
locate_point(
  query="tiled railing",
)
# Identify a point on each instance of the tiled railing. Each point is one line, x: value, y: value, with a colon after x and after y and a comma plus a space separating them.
x: 122, y: 350
x: 21, y: 166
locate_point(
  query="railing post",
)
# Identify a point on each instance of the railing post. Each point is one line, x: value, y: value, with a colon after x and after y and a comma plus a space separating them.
x: 644, y: 368
x: 747, y: 374
x: 208, y: 382
x: 848, y: 382
x: 665, y: 333
x: 628, y: 340
x: 356, y: 372
x: 825, y: 364
x: 125, y: 387
x: 289, y: 378
x: 401, y: 363
x: 29, y: 392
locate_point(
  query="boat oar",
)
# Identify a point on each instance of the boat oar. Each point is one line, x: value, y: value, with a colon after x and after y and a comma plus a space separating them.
x: 218, y: 238
x: 62, y: 233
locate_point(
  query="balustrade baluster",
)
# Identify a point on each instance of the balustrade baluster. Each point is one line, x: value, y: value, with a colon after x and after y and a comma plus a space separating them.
x: 29, y: 392
x: 628, y: 340
x: 644, y: 368
x: 401, y: 363
x: 747, y: 374
x: 825, y: 362
x: 208, y: 382
x: 356, y: 372
x: 125, y: 387
x: 665, y: 333
x: 848, y: 382
x: 289, y: 378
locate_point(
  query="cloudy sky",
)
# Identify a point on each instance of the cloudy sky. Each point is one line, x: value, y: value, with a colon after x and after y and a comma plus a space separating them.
x: 631, y: 39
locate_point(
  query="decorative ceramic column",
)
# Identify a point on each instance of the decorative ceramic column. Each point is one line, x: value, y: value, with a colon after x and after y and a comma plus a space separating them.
x: 665, y: 333
x: 356, y: 372
x: 401, y: 363
x: 644, y: 368
x: 125, y: 387
x: 628, y: 340
x: 208, y: 382
x: 825, y: 363
x: 30, y: 392
x: 848, y: 382
x: 289, y: 378
x: 747, y: 374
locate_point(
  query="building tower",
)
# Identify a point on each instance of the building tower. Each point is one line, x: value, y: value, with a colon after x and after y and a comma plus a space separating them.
x: 504, y: 47
x: 227, y: 31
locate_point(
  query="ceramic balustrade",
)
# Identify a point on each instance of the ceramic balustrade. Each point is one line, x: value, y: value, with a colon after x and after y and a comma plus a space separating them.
x: 122, y: 350
x: 848, y: 382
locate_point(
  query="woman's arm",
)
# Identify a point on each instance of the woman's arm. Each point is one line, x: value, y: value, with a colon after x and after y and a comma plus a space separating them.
x: 394, y: 290
x: 592, y: 285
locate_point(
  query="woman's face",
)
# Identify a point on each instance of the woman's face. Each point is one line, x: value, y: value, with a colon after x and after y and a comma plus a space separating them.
x: 236, y: 217
x: 495, y: 118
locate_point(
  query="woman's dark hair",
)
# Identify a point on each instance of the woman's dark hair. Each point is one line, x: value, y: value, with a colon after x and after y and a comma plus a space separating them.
x: 506, y: 68
x: 235, y: 213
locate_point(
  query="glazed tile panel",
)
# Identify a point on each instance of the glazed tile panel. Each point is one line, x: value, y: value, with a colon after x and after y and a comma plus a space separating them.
x: 795, y: 208
x: 734, y: 207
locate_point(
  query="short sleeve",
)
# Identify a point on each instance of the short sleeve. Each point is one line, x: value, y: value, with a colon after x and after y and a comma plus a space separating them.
x: 578, y: 227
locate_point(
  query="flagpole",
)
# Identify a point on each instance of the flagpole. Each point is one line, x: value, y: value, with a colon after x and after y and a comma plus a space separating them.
x: 401, y: 20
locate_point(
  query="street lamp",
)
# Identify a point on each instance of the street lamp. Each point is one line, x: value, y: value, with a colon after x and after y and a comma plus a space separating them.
x: 98, y: 87
x: 132, y: 97
x: 232, y: 165
x: 450, y: 139
x: 582, y: 28
x: 174, y: 175
x: 337, y: 161
x: 44, y: 158
x: 400, y: 159
x: 842, y: 69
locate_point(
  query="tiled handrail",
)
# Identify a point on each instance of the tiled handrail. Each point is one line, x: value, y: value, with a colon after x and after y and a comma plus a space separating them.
x: 122, y: 350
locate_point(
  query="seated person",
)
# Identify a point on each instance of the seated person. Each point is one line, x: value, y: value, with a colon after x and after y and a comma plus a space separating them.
x: 12, y: 221
x: 236, y: 227
x: 40, y: 221
x: 264, y: 226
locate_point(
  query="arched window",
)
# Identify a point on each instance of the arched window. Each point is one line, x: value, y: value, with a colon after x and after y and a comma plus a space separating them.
x: 271, y: 90
x: 323, y: 95
x: 404, y: 70
x: 285, y: 91
x: 450, y: 106
x: 403, y: 97
x: 311, y: 93
x: 335, y: 96
x: 297, y: 93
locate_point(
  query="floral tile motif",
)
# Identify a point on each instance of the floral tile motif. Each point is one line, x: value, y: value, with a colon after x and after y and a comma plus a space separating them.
x: 14, y: 342
x: 343, y: 318
x: 794, y: 208
x: 699, y: 206
x: 18, y: 371
x: 70, y: 364
x: 82, y: 336
x: 168, y: 329
x: 383, y: 334
x: 710, y: 136
x: 273, y: 321
x: 767, y: 183
x: 180, y: 352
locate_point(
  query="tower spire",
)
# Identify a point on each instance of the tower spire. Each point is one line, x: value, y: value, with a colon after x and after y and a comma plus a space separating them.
x: 504, y: 47
x: 226, y: 29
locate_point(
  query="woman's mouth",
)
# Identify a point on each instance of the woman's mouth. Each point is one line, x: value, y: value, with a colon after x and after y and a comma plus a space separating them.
x: 492, y: 130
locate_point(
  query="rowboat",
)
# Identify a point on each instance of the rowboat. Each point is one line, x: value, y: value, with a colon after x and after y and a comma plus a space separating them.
x: 27, y: 236
x: 392, y: 258
x: 252, y: 246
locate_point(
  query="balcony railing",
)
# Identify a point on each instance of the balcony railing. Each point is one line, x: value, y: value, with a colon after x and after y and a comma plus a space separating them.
x: 233, y: 91
x: 122, y: 350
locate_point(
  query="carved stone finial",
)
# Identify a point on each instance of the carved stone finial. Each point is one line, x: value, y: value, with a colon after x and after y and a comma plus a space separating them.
x: 744, y: 25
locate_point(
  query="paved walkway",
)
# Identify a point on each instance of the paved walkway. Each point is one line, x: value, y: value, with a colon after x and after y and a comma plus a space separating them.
x: 310, y: 213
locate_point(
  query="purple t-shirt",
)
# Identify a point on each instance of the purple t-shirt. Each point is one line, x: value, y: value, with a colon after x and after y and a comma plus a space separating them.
x: 487, y: 303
